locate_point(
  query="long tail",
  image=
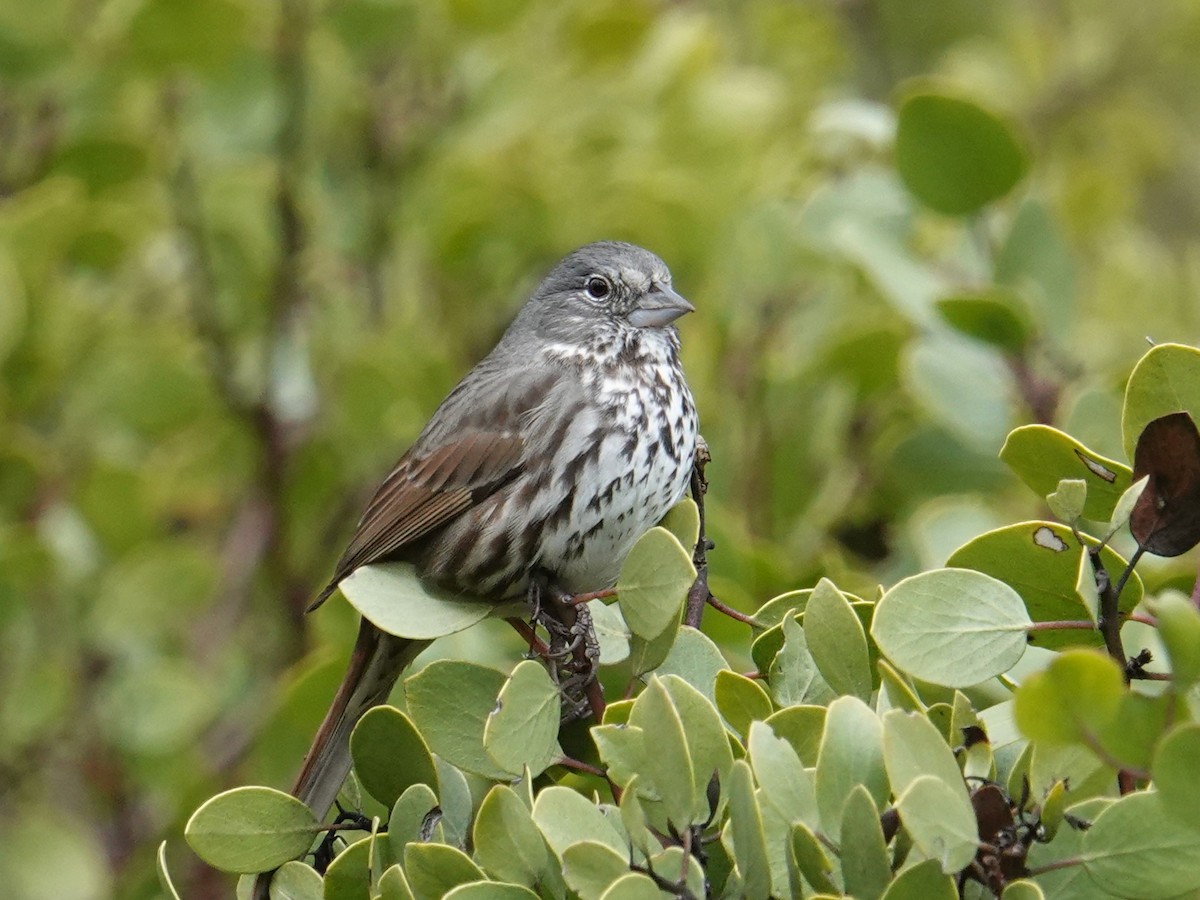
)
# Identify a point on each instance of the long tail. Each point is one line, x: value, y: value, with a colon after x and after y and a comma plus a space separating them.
x: 376, y: 663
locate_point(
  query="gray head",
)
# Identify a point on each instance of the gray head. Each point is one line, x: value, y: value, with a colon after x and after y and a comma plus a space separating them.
x: 602, y: 289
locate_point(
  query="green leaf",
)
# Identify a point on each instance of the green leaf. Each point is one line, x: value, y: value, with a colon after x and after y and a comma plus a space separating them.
x: 490, y: 890
x: 793, y: 676
x: 802, y: 727
x: 393, y: 884
x: 408, y: 817
x: 953, y: 627
x: 449, y: 702
x: 633, y: 886
x: 940, y: 821
x: 741, y: 701
x: 1039, y: 560
x: 1175, y: 766
x: 707, y: 740
x: 912, y: 747
x: 866, y: 867
x: 1086, y: 588
x: 786, y: 785
x: 807, y: 857
x: 164, y: 874
x: 566, y: 817
x: 1022, y: 890
x: 633, y: 818
x: 1165, y: 380
x: 349, y: 875
x: 654, y: 583
x: 1043, y: 456
x: 390, y: 755
x: 683, y: 868
x: 1036, y: 258
x: 1134, y: 849
x: 851, y: 754
x: 993, y: 315
x: 455, y: 802
x: 612, y: 634
x: 955, y: 155
x: 251, y: 829
x: 622, y: 750
x: 749, y: 838
x: 924, y: 881
x: 964, y: 386
x: 1179, y: 630
x: 433, y: 870
x: 1068, y: 499
x: 837, y: 641
x: 647, y: 655
x: 395, y: 600
x: 898, y: 689
x: 695, y: 659
x: 683, y: 521
x: 589, y: 868
x: 666, y: 756
x: 297, y: 881
x: 507, y: 843
x: 1071, y: 700
x: 522, y: 730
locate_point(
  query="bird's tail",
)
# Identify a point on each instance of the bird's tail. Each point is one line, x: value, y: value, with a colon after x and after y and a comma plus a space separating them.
x: 376, y: 663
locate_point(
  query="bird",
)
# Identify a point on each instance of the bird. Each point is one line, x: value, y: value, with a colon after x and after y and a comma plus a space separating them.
x: 547, y: 461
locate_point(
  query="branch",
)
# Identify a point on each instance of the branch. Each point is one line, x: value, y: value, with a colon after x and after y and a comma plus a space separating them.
x: 699, y: 595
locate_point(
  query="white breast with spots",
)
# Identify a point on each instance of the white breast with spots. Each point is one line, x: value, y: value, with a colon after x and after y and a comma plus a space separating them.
x: 634, y: 451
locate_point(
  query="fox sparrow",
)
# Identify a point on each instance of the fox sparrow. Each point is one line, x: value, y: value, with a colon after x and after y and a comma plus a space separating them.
x: 547, y: 461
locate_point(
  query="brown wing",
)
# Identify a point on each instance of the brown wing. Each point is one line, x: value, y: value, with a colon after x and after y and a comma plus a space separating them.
x: 420, y: 495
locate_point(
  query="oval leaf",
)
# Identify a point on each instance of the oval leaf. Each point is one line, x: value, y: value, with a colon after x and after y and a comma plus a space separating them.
x: 251, y: 829
x: 390, y: 755
x: 940, y: 821
x: 1040, y: 560
x: 522, y: 730
x: 449, y: 702
x: 1043, y: 456
x: 953, y: 627
x: 1134, y: 849
x: 837, y: 641
x: 395, y: 600
x: 954, y: 155
x: 654, y: 583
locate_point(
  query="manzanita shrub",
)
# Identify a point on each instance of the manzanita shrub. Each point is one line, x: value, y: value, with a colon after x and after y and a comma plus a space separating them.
x: 1017, y: 724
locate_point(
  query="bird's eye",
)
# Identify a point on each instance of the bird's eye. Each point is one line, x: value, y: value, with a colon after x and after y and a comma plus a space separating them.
x: 598, y: 287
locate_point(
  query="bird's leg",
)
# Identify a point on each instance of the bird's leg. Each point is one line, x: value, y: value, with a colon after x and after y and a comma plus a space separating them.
x: 573, y: 650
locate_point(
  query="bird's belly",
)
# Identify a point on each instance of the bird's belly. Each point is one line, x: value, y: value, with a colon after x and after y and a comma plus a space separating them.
x: 622, y: 493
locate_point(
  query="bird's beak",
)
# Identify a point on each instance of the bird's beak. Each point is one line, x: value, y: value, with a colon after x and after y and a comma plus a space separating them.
x: 659, y: 307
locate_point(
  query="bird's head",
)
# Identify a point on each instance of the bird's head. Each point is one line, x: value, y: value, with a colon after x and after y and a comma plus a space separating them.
x: 606, y: 288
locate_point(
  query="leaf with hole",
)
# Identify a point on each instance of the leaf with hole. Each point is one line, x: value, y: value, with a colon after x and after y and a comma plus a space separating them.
x: 1040, y: 560
x: 1043, y: 456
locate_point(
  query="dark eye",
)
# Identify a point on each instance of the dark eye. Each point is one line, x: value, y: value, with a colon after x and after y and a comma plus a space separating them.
x: 598, y: 287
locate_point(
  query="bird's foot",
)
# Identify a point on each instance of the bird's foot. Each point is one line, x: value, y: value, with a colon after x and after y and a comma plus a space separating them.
x: 572, y: 652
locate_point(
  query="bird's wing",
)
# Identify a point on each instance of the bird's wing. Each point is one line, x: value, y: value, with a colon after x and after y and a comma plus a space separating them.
x: 424, y: 492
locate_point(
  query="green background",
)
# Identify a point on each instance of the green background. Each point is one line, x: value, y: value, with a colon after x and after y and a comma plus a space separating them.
x: 246, y: 247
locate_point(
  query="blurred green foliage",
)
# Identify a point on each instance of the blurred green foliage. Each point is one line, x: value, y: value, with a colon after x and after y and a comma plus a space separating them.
x: 245, y: 248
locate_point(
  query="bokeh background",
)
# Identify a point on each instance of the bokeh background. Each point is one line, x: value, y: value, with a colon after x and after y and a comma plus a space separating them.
x: 247, y: 246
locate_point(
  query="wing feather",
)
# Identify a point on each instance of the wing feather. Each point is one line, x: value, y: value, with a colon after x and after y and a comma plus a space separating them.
x: 423, y: 493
